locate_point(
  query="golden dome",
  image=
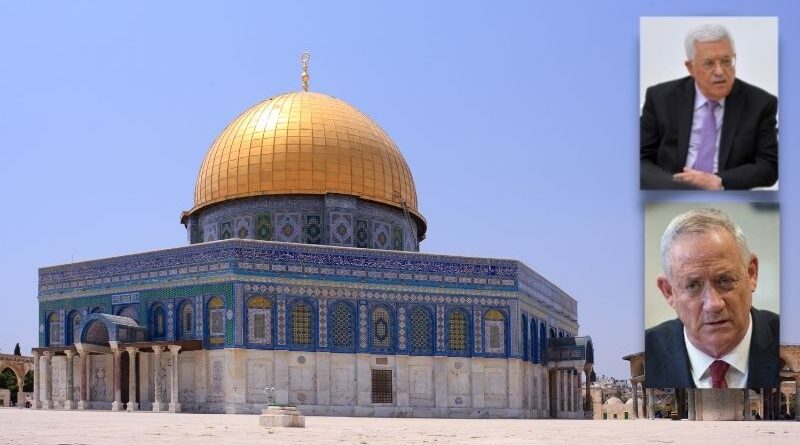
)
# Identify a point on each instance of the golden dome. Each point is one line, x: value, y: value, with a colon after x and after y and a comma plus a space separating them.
x: 304, y: 143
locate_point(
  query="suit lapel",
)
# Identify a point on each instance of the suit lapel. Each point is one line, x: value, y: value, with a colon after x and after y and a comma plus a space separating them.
x: 685, y: 107
x: 677, y: 360
x: 730, y: 122
x: 763, y: 363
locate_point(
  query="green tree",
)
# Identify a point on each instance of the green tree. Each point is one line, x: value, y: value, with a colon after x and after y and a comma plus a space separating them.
x: 27, y: 384
x: 16, y: 350
x: 8, y: 380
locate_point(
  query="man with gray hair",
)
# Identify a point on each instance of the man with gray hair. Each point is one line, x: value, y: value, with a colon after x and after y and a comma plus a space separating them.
x: 708, y: 130
x: 718, y: 340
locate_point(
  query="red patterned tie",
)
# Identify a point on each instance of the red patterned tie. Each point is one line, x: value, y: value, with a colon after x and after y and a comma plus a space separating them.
x: 718, y: 371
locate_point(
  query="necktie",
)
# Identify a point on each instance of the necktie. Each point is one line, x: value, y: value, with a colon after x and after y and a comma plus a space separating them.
x: 718, y: 371
x: 707, y: 145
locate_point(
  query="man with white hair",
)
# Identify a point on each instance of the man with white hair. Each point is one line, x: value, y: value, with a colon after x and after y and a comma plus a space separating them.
x: 718, y: 340
x: 709, y: 130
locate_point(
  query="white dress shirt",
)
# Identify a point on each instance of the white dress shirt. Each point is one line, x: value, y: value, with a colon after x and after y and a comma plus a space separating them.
x: 701, y: 110
x: 738, y: 358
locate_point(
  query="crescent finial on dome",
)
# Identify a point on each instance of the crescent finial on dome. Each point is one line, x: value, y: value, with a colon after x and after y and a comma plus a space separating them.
x: 304, y: 59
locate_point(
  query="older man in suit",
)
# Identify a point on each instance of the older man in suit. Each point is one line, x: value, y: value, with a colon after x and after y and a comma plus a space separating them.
x: 718, y: 340
x: 709, y: 130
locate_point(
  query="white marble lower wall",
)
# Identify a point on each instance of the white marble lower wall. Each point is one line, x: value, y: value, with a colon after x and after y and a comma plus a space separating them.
x: 341, y: 384
x: 322, y: 383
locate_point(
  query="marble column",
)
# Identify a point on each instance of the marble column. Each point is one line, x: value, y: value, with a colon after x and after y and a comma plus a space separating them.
x: 36, y: 379
x: 788, y: 405
x: 82, y: 390
x: 746, y: 404
x: 568, y: 383
x: 557, y: 375
x: 571, y: 383
x: 587, y: 404
x: 117, y: 404
x: 635, y: 392
x: 47, y: 402
x: 174, y: 404
x: 69, y: 403
x: 691, y: 414
x: 132, y: 391
x: 158, y: 404
x: 650, y: 404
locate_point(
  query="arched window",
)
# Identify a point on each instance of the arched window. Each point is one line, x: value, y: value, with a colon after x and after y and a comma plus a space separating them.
x: 343, y: 336
x: 73, y: 323
x: 457, y: 331
x: 159, y: 330
x: 54, y: 328
x: 494, y: 332
x: 381, y: 329
x: 129, y: 312
x: 216, y: 321
x: 421, y: 331
x: 186, y: 320
x: 542, y: 343
x: 535, y: 342
x: 302, y: 325
x: 259, y: 320
x: 524, y: 327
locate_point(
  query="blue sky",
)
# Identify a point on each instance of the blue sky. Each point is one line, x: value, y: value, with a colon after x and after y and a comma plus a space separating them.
x: 519, y: 121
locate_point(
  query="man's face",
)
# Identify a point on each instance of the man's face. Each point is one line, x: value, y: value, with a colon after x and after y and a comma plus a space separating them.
x: 713, y: 68
x: 711, y: 290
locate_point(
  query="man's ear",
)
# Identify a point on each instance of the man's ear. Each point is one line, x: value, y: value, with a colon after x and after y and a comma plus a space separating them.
x: 666, y: 289
x: 752, y: 272
x: 689, y: 67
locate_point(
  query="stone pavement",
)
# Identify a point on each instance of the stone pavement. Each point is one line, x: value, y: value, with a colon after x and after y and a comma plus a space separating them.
x: 20, y: 426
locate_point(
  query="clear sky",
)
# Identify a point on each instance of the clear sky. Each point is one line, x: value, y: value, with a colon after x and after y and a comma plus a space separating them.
x: 519, y: 121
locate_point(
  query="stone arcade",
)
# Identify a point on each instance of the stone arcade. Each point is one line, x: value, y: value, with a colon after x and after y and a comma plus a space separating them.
x: 302, y: 273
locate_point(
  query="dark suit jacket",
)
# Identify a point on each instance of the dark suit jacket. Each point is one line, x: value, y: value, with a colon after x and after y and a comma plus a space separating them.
x: 666, y: 361
x: 748, y: 147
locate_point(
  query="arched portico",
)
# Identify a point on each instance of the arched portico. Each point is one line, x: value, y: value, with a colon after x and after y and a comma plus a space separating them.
x: 111, y: 346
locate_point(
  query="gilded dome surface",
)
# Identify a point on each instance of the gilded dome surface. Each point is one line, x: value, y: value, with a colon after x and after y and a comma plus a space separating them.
x: 305, y: 143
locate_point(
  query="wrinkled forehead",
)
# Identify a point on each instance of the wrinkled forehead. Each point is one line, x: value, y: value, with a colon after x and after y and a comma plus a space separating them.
x: 703, y: 249
x: 713, y: 49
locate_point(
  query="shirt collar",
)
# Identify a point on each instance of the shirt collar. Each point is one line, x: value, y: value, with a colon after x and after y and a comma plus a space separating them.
x: 700, y: 100
x: 738, y: 358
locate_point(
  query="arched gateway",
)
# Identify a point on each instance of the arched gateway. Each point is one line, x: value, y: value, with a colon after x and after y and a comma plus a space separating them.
x: 20, y: 365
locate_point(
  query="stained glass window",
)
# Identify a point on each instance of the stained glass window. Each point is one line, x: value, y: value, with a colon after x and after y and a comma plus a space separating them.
x: 457, y: 330
x: 158, y: 321
x: 75, y: 322
x: 343, y: 324
x: 259, y: 320
x: 494, y: 322
x: 421, y: 337
x: 301, y: 324
x: 187, y: 320
x: 216, y: 320
x: 381, y: 333
x: 54, y: 322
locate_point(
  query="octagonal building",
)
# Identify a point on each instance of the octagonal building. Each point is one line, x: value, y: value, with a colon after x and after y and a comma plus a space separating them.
x: 302, y: 284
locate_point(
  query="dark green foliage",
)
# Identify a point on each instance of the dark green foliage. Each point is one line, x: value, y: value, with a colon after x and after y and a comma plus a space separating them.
x: 8, y: 380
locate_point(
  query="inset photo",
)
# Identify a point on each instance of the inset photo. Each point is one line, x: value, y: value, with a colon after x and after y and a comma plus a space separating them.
x: 712, y: 295
x: 708, y: 97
